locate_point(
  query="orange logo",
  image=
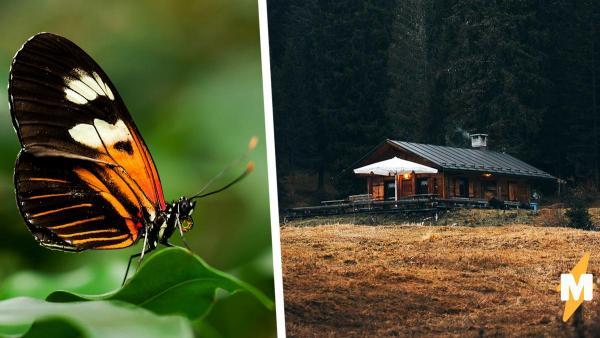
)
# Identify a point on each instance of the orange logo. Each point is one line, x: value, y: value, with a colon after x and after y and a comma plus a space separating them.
x: 576, y: 286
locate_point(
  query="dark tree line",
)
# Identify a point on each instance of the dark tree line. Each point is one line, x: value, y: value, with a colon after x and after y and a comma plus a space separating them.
x: 348, y: 74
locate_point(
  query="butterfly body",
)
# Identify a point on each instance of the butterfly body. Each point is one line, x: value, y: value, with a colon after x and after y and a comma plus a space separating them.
x: 84, y: 178
x: 178, y: 213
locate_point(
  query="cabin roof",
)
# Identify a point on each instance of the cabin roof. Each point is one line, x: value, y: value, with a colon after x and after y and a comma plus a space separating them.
x: 471, y: 159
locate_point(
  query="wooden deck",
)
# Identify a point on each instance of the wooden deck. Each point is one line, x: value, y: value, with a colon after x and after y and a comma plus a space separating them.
x: 411, y: 205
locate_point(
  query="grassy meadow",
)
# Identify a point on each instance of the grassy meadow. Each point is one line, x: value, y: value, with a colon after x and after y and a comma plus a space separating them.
x: 354, y: 280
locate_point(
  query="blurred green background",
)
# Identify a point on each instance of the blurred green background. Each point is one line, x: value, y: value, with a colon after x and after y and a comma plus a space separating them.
x: 189, y: 72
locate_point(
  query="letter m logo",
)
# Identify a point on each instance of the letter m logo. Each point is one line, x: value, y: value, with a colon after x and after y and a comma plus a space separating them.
x: 568, y: 285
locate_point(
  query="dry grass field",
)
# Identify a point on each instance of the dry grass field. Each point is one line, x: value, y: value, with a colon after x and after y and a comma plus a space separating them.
x: 348, y: 280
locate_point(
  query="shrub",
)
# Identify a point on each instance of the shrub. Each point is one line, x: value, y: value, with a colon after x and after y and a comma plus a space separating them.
x: 578, y: 215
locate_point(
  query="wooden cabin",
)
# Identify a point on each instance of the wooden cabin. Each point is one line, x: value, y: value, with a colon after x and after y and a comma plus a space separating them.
x: 474, y: 173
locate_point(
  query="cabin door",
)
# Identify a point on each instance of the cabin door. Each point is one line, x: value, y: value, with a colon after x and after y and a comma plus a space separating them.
x: 377, y: 188
x: 489, y: 189
x: 512, y: 191
x: 462, y: 187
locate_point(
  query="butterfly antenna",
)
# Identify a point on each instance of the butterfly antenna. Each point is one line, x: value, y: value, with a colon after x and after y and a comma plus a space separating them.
x: 251, y: 145
x: 248, y: 170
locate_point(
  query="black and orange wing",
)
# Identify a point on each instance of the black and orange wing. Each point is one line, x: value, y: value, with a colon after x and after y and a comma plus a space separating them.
x: 72, y: 205
x: 84, y: 178
x: 64, y: 105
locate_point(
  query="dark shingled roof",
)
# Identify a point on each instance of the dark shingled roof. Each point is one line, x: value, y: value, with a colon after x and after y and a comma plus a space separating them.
x: 472, y: 159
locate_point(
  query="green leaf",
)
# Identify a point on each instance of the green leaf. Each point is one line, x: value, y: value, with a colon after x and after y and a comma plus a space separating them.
x: 173, y: 281
x: 38, y: 318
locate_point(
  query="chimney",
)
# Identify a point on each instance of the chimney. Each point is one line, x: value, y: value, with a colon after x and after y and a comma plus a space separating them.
x: 479, y: 141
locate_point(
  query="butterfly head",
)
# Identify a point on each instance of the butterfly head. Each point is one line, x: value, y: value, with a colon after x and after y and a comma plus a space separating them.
x: 185, y: 208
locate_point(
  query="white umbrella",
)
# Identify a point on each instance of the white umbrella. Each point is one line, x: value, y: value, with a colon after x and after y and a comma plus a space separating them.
x: 394, y: 167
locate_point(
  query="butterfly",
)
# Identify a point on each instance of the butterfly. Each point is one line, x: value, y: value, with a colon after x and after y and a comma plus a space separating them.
x: 84, y: 178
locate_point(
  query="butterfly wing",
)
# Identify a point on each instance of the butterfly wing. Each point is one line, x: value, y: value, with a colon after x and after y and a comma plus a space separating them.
x: 63, y: 104
x: 72, y: 205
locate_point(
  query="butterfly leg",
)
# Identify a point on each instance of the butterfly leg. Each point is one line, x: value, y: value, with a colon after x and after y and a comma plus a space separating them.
x: 144, y: 250
x: 139, y: 254
x: 129, y: 265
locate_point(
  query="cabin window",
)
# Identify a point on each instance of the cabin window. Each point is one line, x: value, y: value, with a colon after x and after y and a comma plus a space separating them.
x: 390, y: 190
x: 422, y: 186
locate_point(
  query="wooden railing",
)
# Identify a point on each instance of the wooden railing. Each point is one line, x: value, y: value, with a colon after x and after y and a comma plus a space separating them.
x: 410, y: 204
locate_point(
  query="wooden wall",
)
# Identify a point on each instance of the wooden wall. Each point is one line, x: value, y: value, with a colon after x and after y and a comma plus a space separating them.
x: 504, y: 188
x: 446, y: 185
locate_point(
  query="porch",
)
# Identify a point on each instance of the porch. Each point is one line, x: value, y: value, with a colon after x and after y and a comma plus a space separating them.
x: 414, y: 204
